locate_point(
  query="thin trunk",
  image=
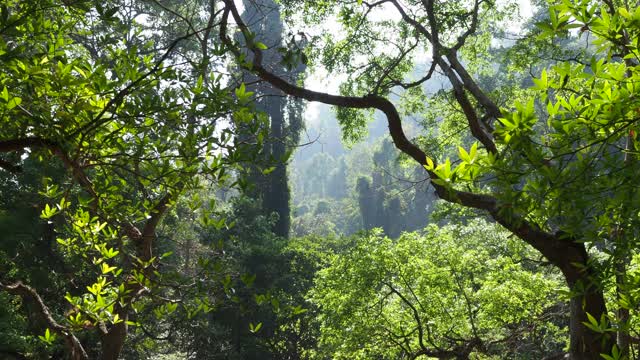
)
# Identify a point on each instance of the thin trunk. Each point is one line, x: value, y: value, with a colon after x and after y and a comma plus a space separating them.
x: 623, y: 339
x: 264, y: 19
x: 621, y: 261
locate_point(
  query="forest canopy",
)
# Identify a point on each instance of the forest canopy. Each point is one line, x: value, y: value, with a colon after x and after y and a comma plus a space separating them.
x: 167, y: 190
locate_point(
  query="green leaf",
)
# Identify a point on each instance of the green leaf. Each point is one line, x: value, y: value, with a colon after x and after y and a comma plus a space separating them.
x: 622, y: 11
x: 464, y: 155
x: 592, y: 319
x: 255, y: 328
x: 48, y: 212
x: 48, y: 337
x: 240, y: 91
x: 473, y: 153
x: 15, y: 101
x: 105, y: 268
x: 542, y: 82
x: 297, y: 310
x: 430, y: 166
x: 243, y: 95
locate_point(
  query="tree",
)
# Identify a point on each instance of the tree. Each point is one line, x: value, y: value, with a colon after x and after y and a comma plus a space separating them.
x: 590, y: 114
x: 337, y: 183
x: 132, y: 133
x: 456, y: 292
x: 317, y: 174
x: 284, y: 115
x: 267, y: 316
x: 370, y: 204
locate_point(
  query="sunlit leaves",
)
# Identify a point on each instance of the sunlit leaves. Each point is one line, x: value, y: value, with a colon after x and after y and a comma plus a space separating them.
x: 105, y: 268
x: 469, y: 169
x: 242, y: 95
x: 255, y: 328
x: 574, y: 166
x: 600, y: 326
x: 48, y: 212
x: 368, y: 294
x: 517, y: 124
x: 353, y: 123
x: 49, y: 338
x: 130, y: 130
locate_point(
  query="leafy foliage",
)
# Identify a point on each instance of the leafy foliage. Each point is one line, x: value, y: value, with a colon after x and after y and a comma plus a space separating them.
x: 133, y: 133
x: 451, y: 291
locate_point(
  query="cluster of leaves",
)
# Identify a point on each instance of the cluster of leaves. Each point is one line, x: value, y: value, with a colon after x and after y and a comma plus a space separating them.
x: 132, y: 131
x: 575, y: 132
x: 447, y: 292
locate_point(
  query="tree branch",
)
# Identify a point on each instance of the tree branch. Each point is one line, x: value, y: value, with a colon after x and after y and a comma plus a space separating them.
x: 564, y: 254
x: 71, y: 341
x: 149, y: 231
x: 416, y: 315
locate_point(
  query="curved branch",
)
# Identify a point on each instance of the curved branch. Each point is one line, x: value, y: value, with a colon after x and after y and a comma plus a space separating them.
x: 470, y: 113
x: 149, y: 230
x: 566, y: 255
x: 472, y: 29
x: 398, y: 136
x: 490, y: 107
x: 416, y: 315
x: 454, y: 70
x: 428, y: 76
x: 71, y: 341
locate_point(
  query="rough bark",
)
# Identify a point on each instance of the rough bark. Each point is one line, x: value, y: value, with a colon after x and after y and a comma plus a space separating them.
x: 277, y: 198
x: 113, y: 341
x: 623, y: 338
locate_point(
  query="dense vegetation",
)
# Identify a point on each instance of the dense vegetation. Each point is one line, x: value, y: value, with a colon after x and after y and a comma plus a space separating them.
x: 167, y: 192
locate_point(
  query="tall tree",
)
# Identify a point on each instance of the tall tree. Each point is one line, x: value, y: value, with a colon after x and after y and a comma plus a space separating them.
x: 284, y: 114
x: 534, y: 168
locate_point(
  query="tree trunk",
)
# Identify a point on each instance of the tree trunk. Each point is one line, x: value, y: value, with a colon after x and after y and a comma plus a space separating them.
x: 276, y: 198
x: 585, y: 343
x: 623, y: 338
x: 589, y: 299
x: 263, y: 18
x: 113, y: 340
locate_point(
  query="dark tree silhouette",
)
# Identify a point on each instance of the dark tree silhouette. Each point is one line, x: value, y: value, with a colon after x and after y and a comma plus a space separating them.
x: 284, y: 114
